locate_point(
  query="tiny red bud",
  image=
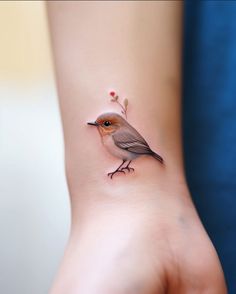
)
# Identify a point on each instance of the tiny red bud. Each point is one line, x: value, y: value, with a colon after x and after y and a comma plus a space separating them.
x: 112, y: 93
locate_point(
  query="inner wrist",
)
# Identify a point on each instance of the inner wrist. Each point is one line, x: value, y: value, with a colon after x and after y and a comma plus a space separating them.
x: 132, y: 197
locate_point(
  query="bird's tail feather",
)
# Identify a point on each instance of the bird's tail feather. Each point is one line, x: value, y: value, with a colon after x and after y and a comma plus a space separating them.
x: 158, y: 157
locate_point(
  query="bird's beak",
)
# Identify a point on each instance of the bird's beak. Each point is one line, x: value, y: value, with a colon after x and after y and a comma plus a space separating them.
x: 93, y: 124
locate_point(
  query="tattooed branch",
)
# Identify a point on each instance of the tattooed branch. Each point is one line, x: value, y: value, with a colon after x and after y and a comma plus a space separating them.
x: 124, y: 106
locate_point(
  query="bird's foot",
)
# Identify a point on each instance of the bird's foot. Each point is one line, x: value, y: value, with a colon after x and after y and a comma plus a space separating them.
x: 127, y: 168
x: 114, y: 172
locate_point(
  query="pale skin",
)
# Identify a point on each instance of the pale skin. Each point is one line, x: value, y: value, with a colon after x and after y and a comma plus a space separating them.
x: 138, y: 233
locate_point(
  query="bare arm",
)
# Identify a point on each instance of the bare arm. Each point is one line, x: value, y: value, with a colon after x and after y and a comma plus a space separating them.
x: 134, y: 49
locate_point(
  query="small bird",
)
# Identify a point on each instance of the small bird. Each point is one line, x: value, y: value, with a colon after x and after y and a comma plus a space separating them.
x: 122, y: 140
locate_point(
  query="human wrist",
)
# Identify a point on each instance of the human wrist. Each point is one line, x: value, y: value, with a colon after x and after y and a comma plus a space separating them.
x: 160, y: 199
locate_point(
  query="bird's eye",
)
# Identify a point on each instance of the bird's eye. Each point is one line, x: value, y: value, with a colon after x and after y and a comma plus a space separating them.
x: 107, y: 123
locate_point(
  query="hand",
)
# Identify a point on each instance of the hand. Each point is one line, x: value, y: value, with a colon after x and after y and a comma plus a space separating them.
x: 155, y: 244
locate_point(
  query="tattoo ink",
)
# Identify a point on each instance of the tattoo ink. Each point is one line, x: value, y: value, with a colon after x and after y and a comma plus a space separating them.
x: 121, y: 139
x: 115, y: 98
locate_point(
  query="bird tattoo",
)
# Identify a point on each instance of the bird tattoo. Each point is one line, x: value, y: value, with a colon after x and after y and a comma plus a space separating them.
x: 122, y: 141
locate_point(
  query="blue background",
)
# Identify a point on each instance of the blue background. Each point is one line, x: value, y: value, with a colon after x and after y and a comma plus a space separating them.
x: 209, y: 122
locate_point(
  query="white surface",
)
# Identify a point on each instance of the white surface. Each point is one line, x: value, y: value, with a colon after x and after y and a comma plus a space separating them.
x: 34, y: 202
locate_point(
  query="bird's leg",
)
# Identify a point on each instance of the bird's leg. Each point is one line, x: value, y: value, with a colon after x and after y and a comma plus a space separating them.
x: 118, y: 170
x: 127, y: 167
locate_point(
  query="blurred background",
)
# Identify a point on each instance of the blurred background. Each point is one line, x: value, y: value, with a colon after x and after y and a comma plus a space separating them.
x: 34, y: 203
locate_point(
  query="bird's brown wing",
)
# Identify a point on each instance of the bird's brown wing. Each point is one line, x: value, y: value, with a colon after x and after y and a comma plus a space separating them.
x: 132, y: 141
